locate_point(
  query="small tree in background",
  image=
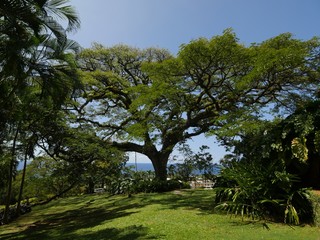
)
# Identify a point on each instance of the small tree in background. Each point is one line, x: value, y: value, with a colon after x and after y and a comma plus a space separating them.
x: 184, y: 169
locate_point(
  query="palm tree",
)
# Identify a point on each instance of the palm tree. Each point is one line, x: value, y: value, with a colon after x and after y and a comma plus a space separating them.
x: 26, y: 24
x: 35, y: 57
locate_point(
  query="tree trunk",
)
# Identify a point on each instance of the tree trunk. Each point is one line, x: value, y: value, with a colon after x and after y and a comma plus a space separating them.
x: 160, y: 168
x: 159, y: 159
x: 13, y: 158
x: 22, y: 184
x: 90, y: 188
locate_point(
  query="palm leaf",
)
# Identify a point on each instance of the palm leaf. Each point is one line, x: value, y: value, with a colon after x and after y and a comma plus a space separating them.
x: 60, y: 9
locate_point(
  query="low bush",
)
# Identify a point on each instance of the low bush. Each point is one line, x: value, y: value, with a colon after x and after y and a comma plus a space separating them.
x: 155, y: 185
x: 265, y: 192
x: 143, y: 182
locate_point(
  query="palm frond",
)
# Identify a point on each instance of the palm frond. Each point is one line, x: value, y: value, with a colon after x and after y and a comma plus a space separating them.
x: 60, y: 9
x: 55, y: 28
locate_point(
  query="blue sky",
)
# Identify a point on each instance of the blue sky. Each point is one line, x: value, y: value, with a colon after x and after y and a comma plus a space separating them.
x: 170, y: 23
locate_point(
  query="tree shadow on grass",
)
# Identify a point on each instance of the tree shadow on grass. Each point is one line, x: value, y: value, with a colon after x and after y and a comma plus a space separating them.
x: 186, y: 199
x: 64, y: 225
x: 82, y: 223
x: 128, y: 233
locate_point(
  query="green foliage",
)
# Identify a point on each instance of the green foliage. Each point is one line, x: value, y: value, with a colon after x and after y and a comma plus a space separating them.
x: 270, y: 167
x: 4, y: 171
x: 151, y: 101
x: 292, y: 141
x: 132, y: 182
x: 299, y: 148
x: 184, y: 171
x: 156, y: 186
x: 45, y: 177
x: 190, y: 164
x: 250, y: 189
x: 37, y: 70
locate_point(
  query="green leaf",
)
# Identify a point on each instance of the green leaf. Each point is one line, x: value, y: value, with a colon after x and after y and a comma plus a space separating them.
x: 299, y: 148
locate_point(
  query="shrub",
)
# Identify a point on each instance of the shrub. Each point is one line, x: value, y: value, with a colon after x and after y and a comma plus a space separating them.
x: 156, y: 185
x: 264, y: 192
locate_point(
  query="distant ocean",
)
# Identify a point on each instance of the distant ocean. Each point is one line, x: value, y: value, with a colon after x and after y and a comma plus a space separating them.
x: 149, y: 167
x: 141, y: 166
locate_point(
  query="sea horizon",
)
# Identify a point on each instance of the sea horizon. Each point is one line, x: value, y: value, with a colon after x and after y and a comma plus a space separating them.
x: 149, y: 167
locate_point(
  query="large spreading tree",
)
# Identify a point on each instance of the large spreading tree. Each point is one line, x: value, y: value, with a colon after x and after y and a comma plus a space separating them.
x: 148, y: 101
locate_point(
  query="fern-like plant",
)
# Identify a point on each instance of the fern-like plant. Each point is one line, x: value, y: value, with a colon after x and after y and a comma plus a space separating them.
x: 250, y: 189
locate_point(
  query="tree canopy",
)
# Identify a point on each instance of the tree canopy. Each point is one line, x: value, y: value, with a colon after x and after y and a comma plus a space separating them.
x: 148, y: 100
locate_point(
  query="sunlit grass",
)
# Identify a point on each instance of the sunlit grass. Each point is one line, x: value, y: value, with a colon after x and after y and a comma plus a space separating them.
x: 176, y: 215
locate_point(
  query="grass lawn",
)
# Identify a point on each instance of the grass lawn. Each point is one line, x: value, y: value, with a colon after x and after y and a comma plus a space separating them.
x: 186, y: 214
